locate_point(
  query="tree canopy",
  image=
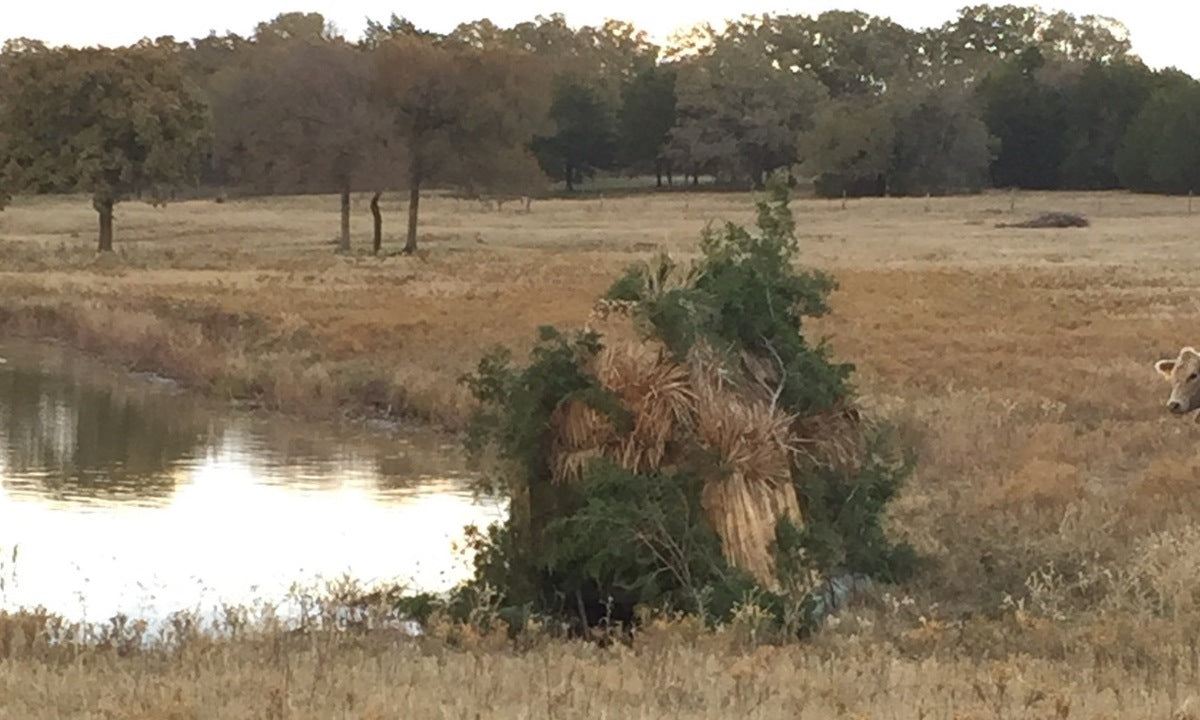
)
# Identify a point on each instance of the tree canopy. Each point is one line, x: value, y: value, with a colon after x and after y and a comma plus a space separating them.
x: 463, y: 118
x: 299, y: 118
x: 113, y: 123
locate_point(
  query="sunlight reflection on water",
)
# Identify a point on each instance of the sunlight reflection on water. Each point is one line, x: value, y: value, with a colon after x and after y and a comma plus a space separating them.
x: 132, y: 502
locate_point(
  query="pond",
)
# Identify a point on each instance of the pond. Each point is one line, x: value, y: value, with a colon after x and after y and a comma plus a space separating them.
x: 124, y: 495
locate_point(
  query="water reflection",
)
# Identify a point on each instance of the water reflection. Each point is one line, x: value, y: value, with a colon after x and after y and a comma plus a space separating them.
x: 91, y: 442
x: 124, y: 498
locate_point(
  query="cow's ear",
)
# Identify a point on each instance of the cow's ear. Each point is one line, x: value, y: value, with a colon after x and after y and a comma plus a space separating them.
x: 1165, y: 368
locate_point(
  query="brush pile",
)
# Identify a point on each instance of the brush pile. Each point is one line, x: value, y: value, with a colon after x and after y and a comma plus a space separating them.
x: 1050, y: 220
x: 689, y: 446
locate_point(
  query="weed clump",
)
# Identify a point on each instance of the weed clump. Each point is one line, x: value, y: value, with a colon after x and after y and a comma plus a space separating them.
x: 688, y: 450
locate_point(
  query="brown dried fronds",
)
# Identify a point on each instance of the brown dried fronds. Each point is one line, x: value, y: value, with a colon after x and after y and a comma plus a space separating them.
x: 656, y: 390
x: 748, y: 434
x: 743, y: 513
x: 725, y: 404
x: 580, y: 434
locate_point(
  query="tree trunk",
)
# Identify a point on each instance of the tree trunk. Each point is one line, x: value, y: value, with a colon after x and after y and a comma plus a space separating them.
x: 104, y: 206
x: 569, y: 174
x: 344, y: 241
x: 414, y: 202
x: 670, y: 177
x: 658, y: 173
x: 378, y: 217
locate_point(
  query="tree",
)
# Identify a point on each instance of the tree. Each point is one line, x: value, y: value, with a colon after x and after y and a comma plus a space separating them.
x: 915, y: 140
x: 602, y: 58
x: 449, y: 110
x: 481, y: 35
x: 647, y: 115
x: 740, y: 113
x: 1027, y: 114
x: 1161, y: 149
x: 941, y: 143
x: 300, y: 119
x: 114, y: 123
x: 849, y: 149
x: 590, y: 67
x: 1099, y: 108
x: 585, y: 137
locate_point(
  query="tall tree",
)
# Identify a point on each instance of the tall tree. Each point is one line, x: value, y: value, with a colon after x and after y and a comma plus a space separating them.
x: 590, y: 67
x: 1161, y: 148
x: 849, y: 149
x: 1100, y: 105
x: 114, y: 123
x: 942, y: 145
x: 454, y: 112
x: 741, y: 112
x: 584, y: 139
x: 647, y: 115
x: 1028, y: 115
x: 300, y: 119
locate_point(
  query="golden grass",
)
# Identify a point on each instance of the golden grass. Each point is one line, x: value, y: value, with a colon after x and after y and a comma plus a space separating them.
x: 1055, y: 496
x: 675, y: 669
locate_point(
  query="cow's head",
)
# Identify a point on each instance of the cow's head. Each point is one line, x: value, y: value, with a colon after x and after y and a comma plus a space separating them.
x: 1184, y: 375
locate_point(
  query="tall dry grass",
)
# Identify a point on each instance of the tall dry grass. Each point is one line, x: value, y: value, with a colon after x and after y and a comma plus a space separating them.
x: 673, y: 669
x: 1055, y: 498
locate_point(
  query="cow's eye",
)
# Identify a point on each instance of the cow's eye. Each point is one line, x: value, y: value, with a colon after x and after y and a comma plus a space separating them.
x: 1193, y: 376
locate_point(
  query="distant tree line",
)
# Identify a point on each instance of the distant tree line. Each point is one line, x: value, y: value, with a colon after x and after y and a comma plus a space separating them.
x: 1000, y: 96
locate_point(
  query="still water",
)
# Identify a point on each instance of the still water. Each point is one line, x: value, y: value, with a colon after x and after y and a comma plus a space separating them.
x: 121, y: 495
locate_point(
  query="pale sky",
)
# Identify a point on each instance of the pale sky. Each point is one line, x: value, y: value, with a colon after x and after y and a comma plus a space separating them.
x: 1163, y: 33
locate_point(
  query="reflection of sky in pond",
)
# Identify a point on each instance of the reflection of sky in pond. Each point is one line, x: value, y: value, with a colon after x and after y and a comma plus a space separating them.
x: 232, y: 522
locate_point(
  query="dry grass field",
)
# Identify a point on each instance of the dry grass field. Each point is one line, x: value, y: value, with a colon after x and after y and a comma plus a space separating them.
x: 1055, y: 496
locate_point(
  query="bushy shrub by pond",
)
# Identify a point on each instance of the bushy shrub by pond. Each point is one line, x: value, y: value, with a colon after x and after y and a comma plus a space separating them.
x: 689, y: 449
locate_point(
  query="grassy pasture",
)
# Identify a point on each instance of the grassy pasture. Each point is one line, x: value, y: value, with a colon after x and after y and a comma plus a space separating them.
x: 1055, y: 495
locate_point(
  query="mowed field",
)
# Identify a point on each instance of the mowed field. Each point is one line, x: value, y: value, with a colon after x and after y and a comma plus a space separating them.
x: 1055, y: 496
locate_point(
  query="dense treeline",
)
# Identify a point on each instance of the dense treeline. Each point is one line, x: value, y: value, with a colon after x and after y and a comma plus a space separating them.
x: 1000, y: 96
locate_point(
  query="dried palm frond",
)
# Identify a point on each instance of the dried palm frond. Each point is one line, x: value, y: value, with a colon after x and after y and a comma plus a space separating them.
x: 749, y: 436
x: 656, y: 391
x: 580, y: 433
x: 744, y: 514
x: 752, y: 439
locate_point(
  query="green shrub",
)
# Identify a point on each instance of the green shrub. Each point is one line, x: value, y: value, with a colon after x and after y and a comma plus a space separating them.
x: 643, y: 537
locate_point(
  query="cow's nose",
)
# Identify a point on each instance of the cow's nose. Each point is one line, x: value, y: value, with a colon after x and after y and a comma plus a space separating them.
x: 1175, y: 406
